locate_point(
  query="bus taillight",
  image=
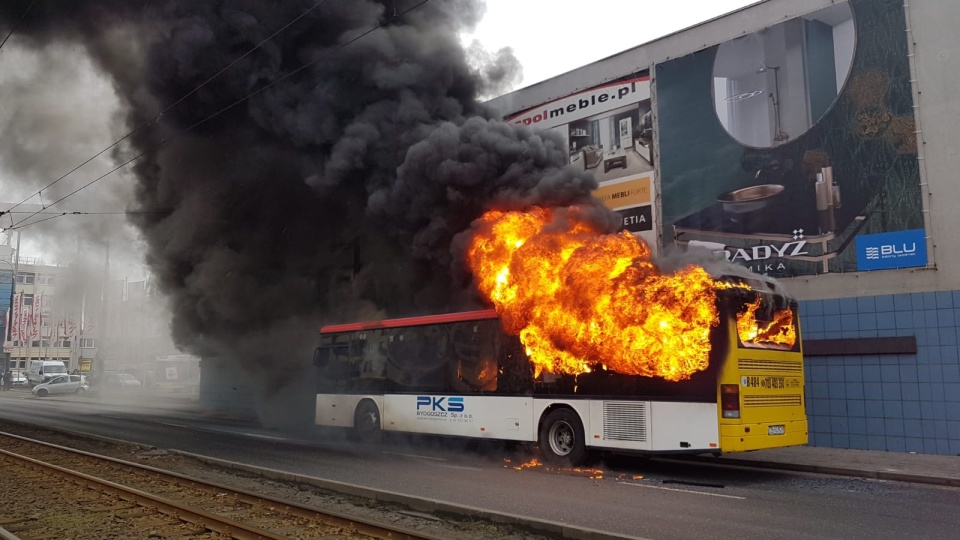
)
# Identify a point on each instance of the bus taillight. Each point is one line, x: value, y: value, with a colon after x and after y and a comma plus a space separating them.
x: 730, y: 400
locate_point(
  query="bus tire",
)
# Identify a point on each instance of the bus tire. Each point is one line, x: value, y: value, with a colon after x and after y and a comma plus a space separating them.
x: 561, y: 439
x: 366, y: 422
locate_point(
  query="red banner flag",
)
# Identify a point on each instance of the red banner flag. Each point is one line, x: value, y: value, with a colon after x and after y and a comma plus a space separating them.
x: 36, y: 322
x: 15, y: 319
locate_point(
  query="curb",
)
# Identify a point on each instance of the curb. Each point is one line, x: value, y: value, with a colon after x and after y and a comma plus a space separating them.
x: 835, y: 471
x: 421, y: 504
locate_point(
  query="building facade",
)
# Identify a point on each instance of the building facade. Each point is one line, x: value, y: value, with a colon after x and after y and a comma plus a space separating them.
x: 809, y: 140
x: 38, y: 331
x: 119, y: 325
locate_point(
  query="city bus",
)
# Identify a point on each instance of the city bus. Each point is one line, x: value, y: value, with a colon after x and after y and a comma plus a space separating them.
x: 461, y: 375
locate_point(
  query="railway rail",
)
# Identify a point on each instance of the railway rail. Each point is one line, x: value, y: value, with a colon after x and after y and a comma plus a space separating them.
x: 53, y: 491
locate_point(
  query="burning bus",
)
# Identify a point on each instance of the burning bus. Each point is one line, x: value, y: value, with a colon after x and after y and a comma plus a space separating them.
x: 589, y: 347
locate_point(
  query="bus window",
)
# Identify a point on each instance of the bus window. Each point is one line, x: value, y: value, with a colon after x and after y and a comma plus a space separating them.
x: 333, y: 366
x: 473, y: 359
x: 516, y: 373
x: 416, y: 358
x: 370, y: 347
x: 765, y: 323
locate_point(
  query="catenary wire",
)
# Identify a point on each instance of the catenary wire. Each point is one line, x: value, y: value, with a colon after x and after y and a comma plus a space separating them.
x: 230, y: 106
x: 55, y: 215
x: 18, y: 225
x: 16, y: 24
x: 170, y: 107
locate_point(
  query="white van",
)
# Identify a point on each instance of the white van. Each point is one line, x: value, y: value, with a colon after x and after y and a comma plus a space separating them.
x: 41, y: 371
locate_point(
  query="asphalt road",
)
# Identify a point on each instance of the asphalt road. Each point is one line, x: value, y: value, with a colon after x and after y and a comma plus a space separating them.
x: 645, y: 498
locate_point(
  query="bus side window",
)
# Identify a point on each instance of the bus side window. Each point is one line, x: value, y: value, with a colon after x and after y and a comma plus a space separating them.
x: 370, y: 350
x: 515, y: 371
x: 473, y: 360
x: 414, y: 359
x: 332, y: 359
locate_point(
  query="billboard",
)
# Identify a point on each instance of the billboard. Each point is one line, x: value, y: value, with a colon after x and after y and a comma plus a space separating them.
x: 793, y: 150
x: 608, y: 130
x: 901, y: 249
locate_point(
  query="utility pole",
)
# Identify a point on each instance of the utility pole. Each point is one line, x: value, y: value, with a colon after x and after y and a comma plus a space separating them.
x: 101, y: 326
x: 13, y: 287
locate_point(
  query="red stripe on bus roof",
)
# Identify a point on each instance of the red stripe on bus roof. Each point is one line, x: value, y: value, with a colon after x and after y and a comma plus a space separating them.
x: 411, y: 321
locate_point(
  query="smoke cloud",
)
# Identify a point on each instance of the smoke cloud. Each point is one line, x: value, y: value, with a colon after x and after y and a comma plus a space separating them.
x: 57, y: 111
x: 337, y: 192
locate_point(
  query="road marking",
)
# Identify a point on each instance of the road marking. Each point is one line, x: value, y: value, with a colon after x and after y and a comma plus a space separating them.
x: 242, y: 434
x: 413, y: 456
x: 174, y: 425
x: 258, y: 436
x: 460, y: 467
x: 685, y: 491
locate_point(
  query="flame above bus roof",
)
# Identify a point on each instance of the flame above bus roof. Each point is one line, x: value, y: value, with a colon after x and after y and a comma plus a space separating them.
x: 579, y: 298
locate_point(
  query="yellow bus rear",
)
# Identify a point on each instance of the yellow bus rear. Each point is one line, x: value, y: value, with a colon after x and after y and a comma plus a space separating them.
x: 761, y: 385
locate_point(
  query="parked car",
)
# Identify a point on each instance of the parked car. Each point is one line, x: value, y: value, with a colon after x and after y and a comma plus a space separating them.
x: 64, y: 384
x: 41, y: 371
x: 18, y: 378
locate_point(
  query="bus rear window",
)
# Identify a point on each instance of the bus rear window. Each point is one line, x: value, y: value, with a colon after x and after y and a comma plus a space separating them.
x: 763, y: 324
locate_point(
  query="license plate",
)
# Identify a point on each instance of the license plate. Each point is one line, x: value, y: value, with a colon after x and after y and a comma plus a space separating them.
x: 776, y: 430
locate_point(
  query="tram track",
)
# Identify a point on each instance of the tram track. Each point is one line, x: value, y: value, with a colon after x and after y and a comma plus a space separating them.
x: 90, y: 492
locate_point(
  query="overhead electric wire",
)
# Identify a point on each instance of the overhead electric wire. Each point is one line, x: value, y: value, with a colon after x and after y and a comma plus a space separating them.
x: 170, y: 107
x: 95, y: 180
x: 55, y: 215
x: 16, y: 24
x: 225, y: 109
x: 86, y: 213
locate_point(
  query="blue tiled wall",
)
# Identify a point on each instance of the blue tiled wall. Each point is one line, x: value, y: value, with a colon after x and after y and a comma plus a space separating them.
x: 899, y: 403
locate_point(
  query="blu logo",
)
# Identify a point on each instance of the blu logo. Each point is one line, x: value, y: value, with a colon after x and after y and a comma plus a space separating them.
x: 453, y: 404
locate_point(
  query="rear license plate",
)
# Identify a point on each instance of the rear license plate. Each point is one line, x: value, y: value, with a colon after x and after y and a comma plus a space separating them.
x: 776, y: 430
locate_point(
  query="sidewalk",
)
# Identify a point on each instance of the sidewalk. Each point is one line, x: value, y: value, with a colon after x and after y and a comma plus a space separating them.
x: 919, y: 468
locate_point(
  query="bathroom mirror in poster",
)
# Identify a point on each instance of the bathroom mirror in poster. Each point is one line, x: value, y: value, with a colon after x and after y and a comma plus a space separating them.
x: 772, y: 86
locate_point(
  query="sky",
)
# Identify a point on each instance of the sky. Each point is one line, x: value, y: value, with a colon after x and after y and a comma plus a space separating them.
x: 548, y: 38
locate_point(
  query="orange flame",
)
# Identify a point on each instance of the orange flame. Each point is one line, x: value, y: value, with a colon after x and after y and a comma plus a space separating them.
x: 579, y: 298
x: 779, y: 331
x: 528, y: 465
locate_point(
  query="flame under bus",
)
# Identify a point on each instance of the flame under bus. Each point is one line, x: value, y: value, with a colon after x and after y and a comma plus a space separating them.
x: 461, y: 375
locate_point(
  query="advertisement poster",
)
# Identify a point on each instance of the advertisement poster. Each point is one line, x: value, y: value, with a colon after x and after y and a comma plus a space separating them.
x: 608, y: 131
x: 793, y: 150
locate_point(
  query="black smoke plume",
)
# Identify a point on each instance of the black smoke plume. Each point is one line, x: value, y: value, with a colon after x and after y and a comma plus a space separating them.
x: 334, y: 193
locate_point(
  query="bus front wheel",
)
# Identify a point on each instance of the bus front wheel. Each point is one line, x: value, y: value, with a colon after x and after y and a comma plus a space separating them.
x: 366, y: 422
x: 561, y: 439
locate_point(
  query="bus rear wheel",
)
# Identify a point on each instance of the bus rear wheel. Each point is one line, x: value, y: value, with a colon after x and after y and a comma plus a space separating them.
x: 562, y: 440
x: 366, y: 422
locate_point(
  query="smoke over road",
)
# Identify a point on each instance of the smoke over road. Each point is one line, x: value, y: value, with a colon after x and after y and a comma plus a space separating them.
x: 335, y: 193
